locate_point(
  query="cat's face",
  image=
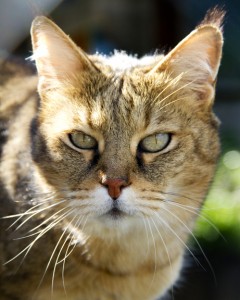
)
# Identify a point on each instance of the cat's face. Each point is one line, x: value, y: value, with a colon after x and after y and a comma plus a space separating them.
x: 126, y: 144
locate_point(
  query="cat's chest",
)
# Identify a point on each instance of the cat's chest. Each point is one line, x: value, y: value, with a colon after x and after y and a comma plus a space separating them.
x: 79, y: 279
x: 87, y: 284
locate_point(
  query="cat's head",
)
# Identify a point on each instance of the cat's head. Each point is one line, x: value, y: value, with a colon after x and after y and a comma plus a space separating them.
x: 118, y: 137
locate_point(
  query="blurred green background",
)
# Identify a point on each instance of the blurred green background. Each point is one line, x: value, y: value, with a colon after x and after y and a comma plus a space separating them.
x: 222, y: 207
x: 140, y: 27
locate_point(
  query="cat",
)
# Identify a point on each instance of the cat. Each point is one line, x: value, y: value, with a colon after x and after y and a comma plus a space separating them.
x: 105, y: 164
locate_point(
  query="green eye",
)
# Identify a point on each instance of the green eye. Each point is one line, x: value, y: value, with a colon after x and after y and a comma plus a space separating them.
x: 83, y: 141
x: 154, y: 143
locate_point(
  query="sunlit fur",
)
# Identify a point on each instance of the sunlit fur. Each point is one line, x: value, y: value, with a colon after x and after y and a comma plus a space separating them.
x: 58, y: 238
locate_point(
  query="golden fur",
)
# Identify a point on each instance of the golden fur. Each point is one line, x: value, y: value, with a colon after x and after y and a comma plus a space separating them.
x: 53, y: 198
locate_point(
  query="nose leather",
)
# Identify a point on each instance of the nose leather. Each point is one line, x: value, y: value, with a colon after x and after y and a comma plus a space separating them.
x: 114, y: 186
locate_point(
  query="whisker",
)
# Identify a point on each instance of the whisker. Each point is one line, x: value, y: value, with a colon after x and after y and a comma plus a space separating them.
x: 65, y: 257
x: 63, y: 265
x: 175, y: 91
x: 53, y: 224
x: 27, y: 236
x: 35, y: 213
x: 85, y: 222
x: 60, y: 251
x: 145, y: 225
x: 161, y: 193
x: 173, y: 101
x: 20, y: 215
x: 30, y: 212
x: 152, y: 198
x: 160, y: 235
x: 48, y: 219
x: 155, y: 253
x: 166, y: 249
x: 180, y: 240
x: 74, y: 246
x: 68, y: 253
x: 42, y: 232
x: 195, y: 239
x: 183, y: 196
x: 40, y: 225
x: 200, y: 215
x: 176, y: 79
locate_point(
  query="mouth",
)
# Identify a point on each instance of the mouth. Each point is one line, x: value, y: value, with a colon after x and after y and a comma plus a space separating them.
x: 115, y: 213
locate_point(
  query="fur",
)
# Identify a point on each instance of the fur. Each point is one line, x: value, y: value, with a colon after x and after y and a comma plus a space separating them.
x: 60, y: 236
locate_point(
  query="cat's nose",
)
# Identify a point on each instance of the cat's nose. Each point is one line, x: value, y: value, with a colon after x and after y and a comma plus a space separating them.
x: 114, y: 186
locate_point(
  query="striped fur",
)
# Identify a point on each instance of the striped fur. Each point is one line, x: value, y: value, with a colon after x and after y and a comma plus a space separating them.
x: 60, y: 233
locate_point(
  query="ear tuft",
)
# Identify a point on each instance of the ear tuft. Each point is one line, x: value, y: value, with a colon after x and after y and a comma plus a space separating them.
x: 214, y: 17
x: 197, y: 57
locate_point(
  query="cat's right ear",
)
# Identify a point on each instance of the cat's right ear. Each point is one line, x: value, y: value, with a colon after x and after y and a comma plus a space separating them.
x: 56, y: 55
x: 196, y: 59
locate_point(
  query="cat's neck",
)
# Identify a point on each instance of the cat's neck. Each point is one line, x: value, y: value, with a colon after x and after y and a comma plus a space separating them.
x: 123, y: 254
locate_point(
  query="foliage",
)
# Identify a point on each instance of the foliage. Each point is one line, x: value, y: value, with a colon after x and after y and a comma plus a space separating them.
x: 221, y: 212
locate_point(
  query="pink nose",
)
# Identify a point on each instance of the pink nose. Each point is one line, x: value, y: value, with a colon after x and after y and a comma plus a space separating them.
x: 115, y: 186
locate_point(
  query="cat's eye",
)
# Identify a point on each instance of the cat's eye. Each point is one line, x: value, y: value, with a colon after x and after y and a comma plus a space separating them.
x: 83, y: 141
x: 155, y: 142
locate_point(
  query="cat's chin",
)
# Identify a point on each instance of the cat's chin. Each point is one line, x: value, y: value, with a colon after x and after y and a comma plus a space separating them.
x: 115, y: 217
x: 115, y: 214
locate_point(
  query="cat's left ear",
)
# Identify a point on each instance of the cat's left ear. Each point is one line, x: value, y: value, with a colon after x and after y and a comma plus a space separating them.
x: 56, y: 55
x: 196, y: 60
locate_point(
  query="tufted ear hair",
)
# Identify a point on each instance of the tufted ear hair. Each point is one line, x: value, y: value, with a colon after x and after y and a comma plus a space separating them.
x: 196, y: 59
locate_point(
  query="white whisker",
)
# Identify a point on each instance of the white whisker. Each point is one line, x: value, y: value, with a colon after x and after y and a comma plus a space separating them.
x: 37, y: 212
x: 165, y: 247
x: 68, y: 253
x: 48, y: 219
x: 30, y: 212
x: 175, y: 91
x: 155, y: 254
x: 180, y: 240
x: 69, y: 244
x: 176, y: 79
x: 27, y: 236
x: 145, y: 225
x: 195, y: 239
x: 60, y: 251
x: 200, y: 215
x: 173, y: 101
x: 42, y: 232
x: 184, y: 197
x: 53, y: 224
